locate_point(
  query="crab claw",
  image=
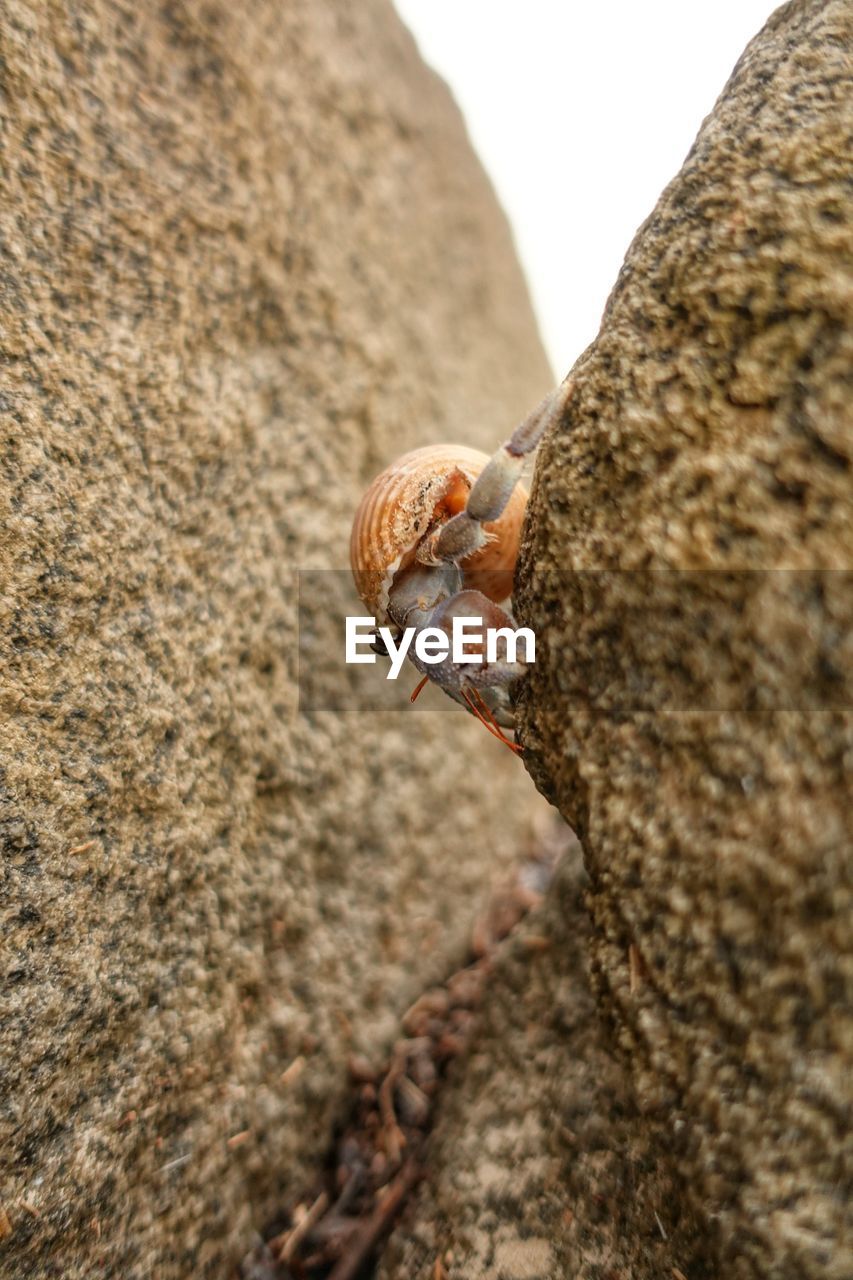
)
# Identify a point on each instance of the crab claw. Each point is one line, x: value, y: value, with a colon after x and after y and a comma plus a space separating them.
x: 476, y: 670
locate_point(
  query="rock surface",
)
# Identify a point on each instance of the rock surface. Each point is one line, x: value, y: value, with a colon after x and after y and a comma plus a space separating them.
x: 687, y: 540
x: 694, y: 724
x: 247, y: 257
x: 542, y: 1166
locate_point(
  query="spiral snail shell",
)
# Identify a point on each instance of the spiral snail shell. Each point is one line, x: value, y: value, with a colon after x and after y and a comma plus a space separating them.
x: 413, y: 497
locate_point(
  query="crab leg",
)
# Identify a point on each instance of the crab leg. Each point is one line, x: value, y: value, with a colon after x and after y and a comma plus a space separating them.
x: 491, y: 491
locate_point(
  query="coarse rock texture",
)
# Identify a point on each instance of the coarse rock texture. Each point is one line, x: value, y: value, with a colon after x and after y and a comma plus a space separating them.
x: 689, y: 712
x: 247, y: 257
x: 541, y: 1166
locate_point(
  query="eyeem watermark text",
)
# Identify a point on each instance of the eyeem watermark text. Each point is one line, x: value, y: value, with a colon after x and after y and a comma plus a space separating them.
x: 469, y: 641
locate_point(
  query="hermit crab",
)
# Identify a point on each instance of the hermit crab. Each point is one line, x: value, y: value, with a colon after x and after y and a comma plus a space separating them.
x: 435, y: 539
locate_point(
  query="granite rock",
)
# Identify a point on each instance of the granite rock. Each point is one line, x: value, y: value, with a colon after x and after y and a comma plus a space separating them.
x: 247, y: 256
x: 661, y: 1083
x: 687, y: 568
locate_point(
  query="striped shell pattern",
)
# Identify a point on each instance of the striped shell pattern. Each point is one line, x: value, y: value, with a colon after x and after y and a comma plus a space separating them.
x: 412, y: 497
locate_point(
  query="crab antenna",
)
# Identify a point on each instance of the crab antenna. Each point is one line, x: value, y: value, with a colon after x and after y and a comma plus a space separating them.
x: 417, y: 691
x: 487, y: 711
x: 490, y: 724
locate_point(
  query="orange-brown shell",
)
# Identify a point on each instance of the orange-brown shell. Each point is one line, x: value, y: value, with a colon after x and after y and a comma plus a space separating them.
x: 413, y: 496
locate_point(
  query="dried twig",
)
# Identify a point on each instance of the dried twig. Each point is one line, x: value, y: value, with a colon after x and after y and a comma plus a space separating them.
x: 378, y: 1223
x: 378, y: 1156
x: 285, y: 1245
x: 394, y: 1138
x: 292, y: 1073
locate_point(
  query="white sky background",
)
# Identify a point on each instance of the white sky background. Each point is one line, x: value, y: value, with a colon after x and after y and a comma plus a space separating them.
x: 582, y: 113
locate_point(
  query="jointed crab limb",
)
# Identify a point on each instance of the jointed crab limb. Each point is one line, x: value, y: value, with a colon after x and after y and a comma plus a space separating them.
x: 479, y: 679
x: 491, y: 491
x: 528, y: 433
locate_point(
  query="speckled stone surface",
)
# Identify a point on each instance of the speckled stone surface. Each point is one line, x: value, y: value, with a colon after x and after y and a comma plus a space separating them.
x: 246, y: 257
x: 661, y: 1084
x: 696, y: 727
x: 541, y: 1166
